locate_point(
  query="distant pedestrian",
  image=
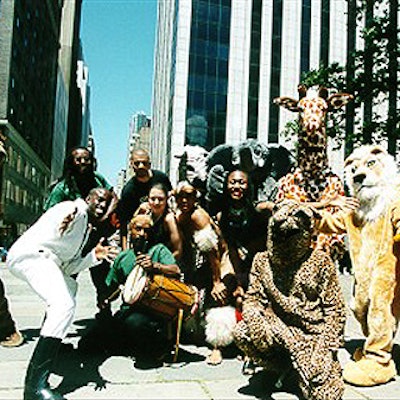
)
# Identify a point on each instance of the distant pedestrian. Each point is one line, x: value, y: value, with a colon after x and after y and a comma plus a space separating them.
x: 136, y: 190
x: 46, y: 256
x: 9, y: 334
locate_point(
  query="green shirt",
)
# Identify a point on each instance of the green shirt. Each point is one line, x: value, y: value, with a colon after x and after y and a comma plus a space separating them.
x: 126, y: 260
x: 62, y: 192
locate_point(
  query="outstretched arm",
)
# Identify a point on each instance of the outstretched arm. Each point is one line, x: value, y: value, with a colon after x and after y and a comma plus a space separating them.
x: 342, y: 202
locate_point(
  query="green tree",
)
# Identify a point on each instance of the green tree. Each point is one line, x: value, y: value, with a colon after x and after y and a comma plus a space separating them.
x: 371, y: 75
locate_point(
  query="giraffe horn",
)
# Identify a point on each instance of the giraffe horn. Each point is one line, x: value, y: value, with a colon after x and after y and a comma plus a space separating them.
x: 323, y: 92
x: 302, y: 89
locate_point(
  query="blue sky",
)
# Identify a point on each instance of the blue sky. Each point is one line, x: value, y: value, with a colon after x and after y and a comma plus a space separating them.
x: 118, y: 43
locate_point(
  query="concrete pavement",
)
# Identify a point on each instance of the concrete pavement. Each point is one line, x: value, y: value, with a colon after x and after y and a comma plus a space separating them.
x: 117, y: 377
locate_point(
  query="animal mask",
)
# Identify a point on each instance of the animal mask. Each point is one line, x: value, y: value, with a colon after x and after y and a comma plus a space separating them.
x: 368, y: 171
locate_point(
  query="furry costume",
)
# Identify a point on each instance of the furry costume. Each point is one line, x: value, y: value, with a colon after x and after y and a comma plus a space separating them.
x: 293, y: 310
x: 220, y: 322
x: 265, y: 163
x: 313, y: 179
x: 373, y: 230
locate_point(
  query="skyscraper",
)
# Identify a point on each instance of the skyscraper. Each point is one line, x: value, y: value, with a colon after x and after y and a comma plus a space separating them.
x: 220, y: 63
x: 29, y: 33
x: 139, y: 137
x: 37, y: 72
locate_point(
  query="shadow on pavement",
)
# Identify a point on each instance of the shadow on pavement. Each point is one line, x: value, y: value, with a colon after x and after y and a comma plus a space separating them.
x: 78, y: 369
x: 80, y: 366
x: 262, y: 385
x: 351, y: 345
x: 30, y: 334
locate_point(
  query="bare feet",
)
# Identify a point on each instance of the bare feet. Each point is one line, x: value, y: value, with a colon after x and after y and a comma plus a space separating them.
x: 215, y: 357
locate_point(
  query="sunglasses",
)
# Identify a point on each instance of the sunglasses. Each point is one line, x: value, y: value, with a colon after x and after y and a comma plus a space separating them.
x: 138, y: 163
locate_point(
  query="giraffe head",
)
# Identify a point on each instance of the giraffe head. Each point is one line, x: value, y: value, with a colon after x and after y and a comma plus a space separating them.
x: 313, y: 105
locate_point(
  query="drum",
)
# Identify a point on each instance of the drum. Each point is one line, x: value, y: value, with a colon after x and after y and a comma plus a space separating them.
x: 159, y: 293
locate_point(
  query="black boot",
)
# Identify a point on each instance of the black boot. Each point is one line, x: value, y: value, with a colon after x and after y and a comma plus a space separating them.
x: 36, y: 385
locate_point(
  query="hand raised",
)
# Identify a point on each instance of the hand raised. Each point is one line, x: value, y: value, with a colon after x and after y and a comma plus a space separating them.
x: 108, y: 253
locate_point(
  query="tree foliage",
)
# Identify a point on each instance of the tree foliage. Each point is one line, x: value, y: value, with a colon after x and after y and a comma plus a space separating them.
x: 373, y: 79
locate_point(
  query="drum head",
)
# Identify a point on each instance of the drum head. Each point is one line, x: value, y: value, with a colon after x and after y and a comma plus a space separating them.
x: 134, y: 285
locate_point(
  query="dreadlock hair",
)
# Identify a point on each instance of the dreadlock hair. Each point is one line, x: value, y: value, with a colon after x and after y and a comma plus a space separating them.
x: 69, y: 175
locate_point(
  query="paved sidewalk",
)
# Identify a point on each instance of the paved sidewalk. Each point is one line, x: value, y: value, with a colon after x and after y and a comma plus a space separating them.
x: 118, y: 377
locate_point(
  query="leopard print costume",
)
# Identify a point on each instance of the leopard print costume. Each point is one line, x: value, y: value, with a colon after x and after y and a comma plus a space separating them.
x: 313, y: 179
x: 294, y: 310
x: 292, y: 187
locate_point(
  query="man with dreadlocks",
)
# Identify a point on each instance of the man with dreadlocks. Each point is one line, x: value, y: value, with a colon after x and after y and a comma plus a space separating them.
x: 79, y: 177
x: 46, y: 256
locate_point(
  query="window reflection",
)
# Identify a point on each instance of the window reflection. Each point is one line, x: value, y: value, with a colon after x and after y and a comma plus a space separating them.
x: 208, y: 72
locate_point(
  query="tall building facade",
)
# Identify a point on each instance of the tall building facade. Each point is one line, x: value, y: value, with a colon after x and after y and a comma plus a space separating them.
x: 72, y: 52
x: 220, y: 63
x: 72, y: 99
x: 139, y: 137
x: 82, y: 79
x: 38, y: 67
x: 29, y: 33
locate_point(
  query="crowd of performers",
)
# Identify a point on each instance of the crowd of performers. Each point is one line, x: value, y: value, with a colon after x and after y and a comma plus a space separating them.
x: 260, y: 275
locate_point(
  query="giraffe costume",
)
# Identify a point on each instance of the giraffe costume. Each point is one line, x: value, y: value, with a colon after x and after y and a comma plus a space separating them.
x: 313, y: 180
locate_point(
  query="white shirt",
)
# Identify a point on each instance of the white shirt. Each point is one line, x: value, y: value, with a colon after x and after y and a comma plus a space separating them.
x: 64, y: 249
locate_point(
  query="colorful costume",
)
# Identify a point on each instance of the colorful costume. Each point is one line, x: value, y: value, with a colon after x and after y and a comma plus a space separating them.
x: 293, y: 311
x: 313, y: 180
x: 375, y: 255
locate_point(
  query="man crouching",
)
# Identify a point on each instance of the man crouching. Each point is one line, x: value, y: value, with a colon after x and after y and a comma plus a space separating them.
x: 294, y: 306
x: 46, y: 256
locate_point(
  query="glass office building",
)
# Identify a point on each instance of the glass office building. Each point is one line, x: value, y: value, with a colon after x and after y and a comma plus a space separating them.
x: 220, y: 63
x: 208, y: 73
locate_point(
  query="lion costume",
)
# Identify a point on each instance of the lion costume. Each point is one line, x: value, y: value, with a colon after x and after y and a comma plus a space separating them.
x: 373, y: 230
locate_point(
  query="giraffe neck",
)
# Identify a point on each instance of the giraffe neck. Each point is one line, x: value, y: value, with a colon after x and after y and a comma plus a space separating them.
x: 312, y: 161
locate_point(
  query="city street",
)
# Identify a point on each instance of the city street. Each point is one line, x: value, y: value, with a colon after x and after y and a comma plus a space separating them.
x: 117, y: 377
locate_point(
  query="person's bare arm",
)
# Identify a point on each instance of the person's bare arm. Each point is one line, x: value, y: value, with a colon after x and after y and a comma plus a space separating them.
x: 113, y: 205
x: 201, y: 219
x: 175, y: 235
x: 265, y: 206
x: 124, y: 241
x: 145, y: 261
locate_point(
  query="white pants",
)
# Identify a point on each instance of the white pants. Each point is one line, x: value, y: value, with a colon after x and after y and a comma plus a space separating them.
x: 53, y: 286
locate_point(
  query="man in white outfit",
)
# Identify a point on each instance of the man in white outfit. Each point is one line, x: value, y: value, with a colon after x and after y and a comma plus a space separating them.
x: 46, y: 256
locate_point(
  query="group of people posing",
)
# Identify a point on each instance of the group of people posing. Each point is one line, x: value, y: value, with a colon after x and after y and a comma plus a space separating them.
x: 160, y: 239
